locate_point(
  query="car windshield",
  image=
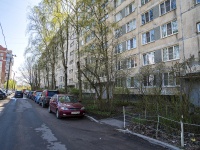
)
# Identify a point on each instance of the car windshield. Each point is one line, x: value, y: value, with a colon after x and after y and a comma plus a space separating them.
x: 18, y: 91
x: 68, y: 99
x: 51, y: 93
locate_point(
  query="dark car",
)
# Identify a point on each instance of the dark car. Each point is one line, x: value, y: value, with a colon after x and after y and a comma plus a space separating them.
x: 18, y: 94
x: 65, y: 105
x: 2, y: 94
x: 29, y: 95
x: 46, y: 96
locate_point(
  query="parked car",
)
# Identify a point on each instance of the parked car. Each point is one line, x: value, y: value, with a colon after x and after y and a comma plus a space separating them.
x: 18, y: 94
x: 46, y: 96
x: 65, y: 105
x: 29, y: 95
x: 37, y: 96
x: 2, y: 94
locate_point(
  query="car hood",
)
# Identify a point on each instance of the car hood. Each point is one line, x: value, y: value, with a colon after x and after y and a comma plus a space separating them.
x: 71, y: 105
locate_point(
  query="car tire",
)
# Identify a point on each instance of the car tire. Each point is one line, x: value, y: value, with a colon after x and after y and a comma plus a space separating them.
x: 57, y: 114
x: 49, y: 109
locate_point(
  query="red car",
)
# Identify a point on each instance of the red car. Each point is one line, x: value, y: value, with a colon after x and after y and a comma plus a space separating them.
x: 65, y: 105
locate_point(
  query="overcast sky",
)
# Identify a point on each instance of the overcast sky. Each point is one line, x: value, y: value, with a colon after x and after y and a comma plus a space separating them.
x: 13, y: 18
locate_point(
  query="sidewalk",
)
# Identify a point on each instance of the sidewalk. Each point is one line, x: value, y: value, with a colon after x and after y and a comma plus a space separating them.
x: 119, y: 125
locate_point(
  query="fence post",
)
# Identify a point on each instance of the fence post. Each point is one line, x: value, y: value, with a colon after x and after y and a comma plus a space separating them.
x: 124, y: 117
x: 182, y: 132
x: 157, y: 127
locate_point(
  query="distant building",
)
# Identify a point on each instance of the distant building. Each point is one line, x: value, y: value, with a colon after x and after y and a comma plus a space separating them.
x: 6, y: 60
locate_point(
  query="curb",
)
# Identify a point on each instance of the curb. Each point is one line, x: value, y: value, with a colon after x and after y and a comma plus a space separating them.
x: 151, y: 140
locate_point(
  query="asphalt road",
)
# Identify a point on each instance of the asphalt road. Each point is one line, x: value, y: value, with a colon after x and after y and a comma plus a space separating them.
x: 24, y: 125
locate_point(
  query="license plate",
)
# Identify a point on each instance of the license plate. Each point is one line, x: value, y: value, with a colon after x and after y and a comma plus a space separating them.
x: 75, y: 112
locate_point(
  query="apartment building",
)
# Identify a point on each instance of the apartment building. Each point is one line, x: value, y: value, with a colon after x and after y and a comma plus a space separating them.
x: 152, y: 32
x: 2, y: 65
x: 6, y: 61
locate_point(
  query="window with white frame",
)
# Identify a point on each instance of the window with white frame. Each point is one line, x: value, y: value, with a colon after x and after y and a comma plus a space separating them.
x: 131, y: 25
x: 118, y: 48
x: 129, y: 9
x: 117, y: 2
x: 171, y: 53
x: 119, y: 65
x: 169, y: 28
x: 132, y: 62
x: 197, y: 1
x: 148, y: 58
x: 130, y: 82
x: 171, y: 79
x: 144, y: 2
x: 147, y: 17
x: 149, y: 80
x: 130, y: 44
x: 198, y: 27
x: 148, y: 37
x: 118, y: 32
x: 120, y: 82
x: 167, y: 6
x: 118, y: 16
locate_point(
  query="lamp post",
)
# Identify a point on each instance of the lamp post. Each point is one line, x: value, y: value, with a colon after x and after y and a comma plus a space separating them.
x: 9, y: 72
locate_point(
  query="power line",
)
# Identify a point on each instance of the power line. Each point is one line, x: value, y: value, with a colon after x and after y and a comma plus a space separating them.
x: 3, y: 35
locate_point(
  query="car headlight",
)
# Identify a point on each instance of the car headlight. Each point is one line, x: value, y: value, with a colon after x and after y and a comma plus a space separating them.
x: 83, y: 108
x: 64, y: 108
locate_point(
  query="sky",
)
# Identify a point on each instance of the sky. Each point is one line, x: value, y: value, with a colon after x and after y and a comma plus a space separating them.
x: 13, y: 19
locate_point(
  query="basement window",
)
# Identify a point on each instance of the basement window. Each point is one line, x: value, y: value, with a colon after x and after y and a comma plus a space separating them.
x: 198, y: 27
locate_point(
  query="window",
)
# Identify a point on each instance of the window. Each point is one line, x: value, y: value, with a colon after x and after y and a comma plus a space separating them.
x: 147, y: 17
x: 118, y: 16
x: 118, y: 48
x: 130, y: 82
x: 144, y: 2
x: 169, y: 28
x: 118, y: 2
x: 198, y: 27
x: 120, y: 82
x: 167, y: 6
x: 119, y: 65
x: 148, y: 58
x: 131, y: 62
x: 171, y: 79
x: 131, y: 25
x: 118, y: 32
x: 171, y: 53
x: 197, y: 1
x: 148, y: 37
x: 149, y: 80
x: 1, y: 57
x: 130, y: 44
x: 129, y: 9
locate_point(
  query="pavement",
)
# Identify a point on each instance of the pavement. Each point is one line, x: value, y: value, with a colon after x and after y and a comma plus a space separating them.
x: 116, y: 123
x: 119, y: 126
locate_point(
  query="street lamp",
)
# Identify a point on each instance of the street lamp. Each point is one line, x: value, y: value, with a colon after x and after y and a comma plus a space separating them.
x: 9, y: 72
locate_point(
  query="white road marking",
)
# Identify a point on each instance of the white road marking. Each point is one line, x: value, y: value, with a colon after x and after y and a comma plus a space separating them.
x: 50, y: 138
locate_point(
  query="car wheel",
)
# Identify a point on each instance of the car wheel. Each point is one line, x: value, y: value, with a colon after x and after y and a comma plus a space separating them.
x: 49, y: 109
x: 57, y: 114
